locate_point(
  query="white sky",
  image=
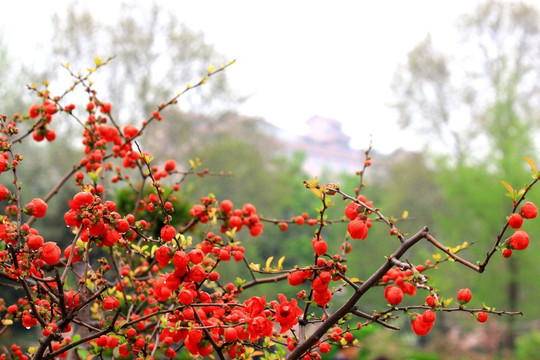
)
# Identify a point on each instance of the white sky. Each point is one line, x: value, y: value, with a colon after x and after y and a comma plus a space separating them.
x: 296, y: 58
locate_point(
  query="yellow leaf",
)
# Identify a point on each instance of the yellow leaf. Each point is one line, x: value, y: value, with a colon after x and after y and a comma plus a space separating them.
x: 317, y: 192
x: 255, y: 267
x: 268, y: 262
x: 211, y: 68
x: 531, y: 162
x: 280, y: 263
x: 354, y: 280
x: 90, y: 284
x: 405, y: 214
x: 437, y: 257
x: 7, y: 322
x: 97, y: 61
x: 510, y: 189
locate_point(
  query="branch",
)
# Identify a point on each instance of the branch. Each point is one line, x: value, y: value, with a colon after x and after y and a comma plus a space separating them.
x: 350, y: 304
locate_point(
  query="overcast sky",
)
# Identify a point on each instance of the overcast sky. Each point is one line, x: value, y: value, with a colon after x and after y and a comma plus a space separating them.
x: 296, y: 59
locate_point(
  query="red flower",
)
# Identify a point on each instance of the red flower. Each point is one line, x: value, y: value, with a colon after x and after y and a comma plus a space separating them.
x: 170, y: 165
x: 323, y: 297
x: 352, y: 210
x: 255, y: 305
x: 72, y: 298
x: 520, y: 240
x: 76, y: 256
x: 420, y: 326
x: 34, y: 241
x: 180, y: 259
x: 36, y: 207
x: 393, y: 295
x: 529, y: 210
x: 163, y: 255
x: 226, y: 206
x: 481, y: 317
x: 196, y: 256
x: 102, y: 341
x: 259, y: 326
x: 185, y: 297
x: 34, y: 111
x: 50, y: 253
x: 464, y: 296
x: 235, y: 222
x: 325, y: 347
x: 197, y: 273
x: 81, y: 200
x: 319, y: 246
x: 287, y: 313
x: 130, y: 131
x: 4, y: 192
x: 4, y: 163
x: 295, y: 278
x: 167, y: 233
x: 110, y: 303
x: 358, y: 229
x: 515, y: 221
x: 124, y: 350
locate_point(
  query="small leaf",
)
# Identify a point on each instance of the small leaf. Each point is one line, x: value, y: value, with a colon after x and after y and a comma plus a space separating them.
x: 97, y: 61
x: 405, y: 214
x: 317, y: 192
x: 280, y: 263
x: 255, y: 267
x: 510, y: 189
x: 531, y: 162
x: 447, y: 302
x: 268, y: 262
x: 437, y: 257
x: 239, y: 282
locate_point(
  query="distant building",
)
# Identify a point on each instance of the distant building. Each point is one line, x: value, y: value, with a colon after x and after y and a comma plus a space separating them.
x: 326, y: 147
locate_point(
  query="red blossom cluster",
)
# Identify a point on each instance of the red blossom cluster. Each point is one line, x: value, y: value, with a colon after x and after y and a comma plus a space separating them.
x: 148, y: 283
x: 520, y: 239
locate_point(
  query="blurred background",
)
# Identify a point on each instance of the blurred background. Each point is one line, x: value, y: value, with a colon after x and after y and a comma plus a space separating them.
x: 447, y: 92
